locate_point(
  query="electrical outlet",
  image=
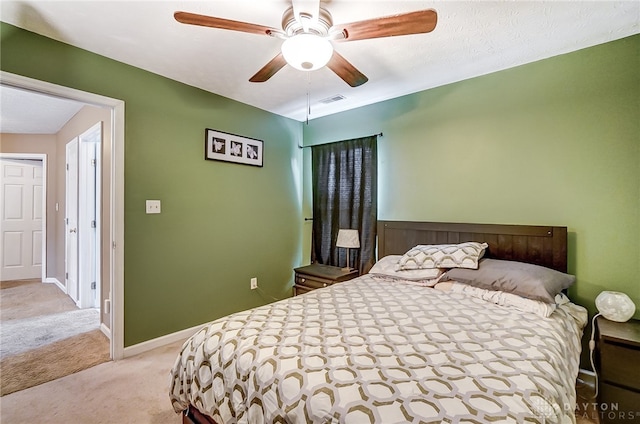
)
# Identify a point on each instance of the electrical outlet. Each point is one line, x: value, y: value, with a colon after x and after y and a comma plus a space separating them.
x: 153, y: 206
x: 254, y: 283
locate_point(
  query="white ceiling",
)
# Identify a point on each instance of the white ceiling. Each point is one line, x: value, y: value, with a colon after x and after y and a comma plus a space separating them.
x: 471, y: 38
x: 26, y: 112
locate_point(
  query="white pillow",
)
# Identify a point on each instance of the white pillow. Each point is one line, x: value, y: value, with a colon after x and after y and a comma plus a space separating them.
x: 501, y: 298
x: 387, y: 266
x: 461, y: 255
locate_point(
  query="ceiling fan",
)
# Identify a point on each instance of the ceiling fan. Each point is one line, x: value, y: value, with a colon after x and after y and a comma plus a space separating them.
x: 308, y: 30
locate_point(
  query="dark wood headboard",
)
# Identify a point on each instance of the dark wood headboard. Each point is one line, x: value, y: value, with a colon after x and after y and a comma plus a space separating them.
x: 536, y: 244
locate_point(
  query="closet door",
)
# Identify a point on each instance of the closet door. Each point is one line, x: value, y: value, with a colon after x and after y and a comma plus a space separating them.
x: 21, y: 222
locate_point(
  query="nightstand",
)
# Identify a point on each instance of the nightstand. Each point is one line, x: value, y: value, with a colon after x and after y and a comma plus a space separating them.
x: 619, y: 370
x: 316, y: 276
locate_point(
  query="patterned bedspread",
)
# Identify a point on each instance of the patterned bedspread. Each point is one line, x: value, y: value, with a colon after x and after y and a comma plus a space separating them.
x: 384, y: 351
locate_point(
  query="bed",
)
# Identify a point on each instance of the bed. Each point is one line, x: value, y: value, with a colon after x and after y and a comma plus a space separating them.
x: 382, y: 349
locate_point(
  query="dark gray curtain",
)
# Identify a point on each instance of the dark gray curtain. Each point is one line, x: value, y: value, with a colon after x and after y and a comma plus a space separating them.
x: 345, y: 195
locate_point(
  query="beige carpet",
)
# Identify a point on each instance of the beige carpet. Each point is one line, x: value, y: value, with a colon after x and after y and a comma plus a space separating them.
x: 29, y: 298
x: 50, y: 355
x: 133, y: 390
x: 55, y: 360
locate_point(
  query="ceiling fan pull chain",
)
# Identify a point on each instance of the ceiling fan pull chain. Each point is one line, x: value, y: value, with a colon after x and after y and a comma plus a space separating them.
x: 308, y: 96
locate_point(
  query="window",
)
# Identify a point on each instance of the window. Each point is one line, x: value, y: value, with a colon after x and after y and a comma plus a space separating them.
x: 345, y: 195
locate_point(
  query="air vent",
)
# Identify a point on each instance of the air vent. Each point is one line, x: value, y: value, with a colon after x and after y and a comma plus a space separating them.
x: 332, y: 99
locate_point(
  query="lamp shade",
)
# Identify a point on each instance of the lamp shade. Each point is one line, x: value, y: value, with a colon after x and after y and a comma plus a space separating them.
x: 615, y: 306
x: 348, y: 238
x: 307, y: 52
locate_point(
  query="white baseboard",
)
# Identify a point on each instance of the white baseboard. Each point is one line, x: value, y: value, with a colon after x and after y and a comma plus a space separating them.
x: 161, y: 341
x: 105, y: 330
x: 586, y: 372
x: 587, y: 376
x: 55, y: 281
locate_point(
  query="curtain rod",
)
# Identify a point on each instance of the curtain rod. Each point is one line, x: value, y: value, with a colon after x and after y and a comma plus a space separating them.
x: 329, y: 142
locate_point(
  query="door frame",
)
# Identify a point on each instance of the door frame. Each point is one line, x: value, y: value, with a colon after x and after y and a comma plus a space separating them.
x: 43, y: 158
x: 116, y: 195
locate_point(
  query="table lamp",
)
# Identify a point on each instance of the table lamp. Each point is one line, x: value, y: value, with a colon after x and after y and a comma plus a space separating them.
x: 348, y: 239
x: 614, y: 306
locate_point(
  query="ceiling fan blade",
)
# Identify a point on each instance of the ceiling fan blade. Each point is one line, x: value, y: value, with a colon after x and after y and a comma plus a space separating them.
x: 345, y: 70
x: 419, y: 22
x: 269, y: 69
x: 210, y: 21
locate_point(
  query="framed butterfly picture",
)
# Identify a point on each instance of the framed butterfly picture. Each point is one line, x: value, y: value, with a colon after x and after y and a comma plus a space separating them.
x: 219, y: 145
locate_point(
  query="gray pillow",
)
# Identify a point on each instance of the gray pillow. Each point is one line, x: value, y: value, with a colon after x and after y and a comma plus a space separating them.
x: 526, y: 280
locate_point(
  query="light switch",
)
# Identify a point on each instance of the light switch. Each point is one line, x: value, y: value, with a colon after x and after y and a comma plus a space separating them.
x: 153, y: 206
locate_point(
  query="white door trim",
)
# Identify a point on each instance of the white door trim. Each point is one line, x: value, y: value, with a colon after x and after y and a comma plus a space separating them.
x: 41, y: 157
x: 116, y: 268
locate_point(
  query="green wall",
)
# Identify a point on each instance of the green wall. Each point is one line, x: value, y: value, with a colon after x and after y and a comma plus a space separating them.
x: 555, y: 142
x: 221, y: 223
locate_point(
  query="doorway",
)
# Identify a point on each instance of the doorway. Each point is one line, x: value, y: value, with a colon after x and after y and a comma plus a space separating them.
x: 111, y: 228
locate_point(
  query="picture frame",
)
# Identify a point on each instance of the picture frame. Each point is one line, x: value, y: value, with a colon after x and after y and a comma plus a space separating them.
x: 227, y: 147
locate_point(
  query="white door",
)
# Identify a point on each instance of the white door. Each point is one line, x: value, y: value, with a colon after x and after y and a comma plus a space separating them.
x: 71, y: 221
x: 88, y: 219
x: 22, y: 213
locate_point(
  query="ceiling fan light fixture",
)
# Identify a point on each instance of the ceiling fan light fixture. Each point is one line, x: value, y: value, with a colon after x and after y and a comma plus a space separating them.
x: 307, y: 52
